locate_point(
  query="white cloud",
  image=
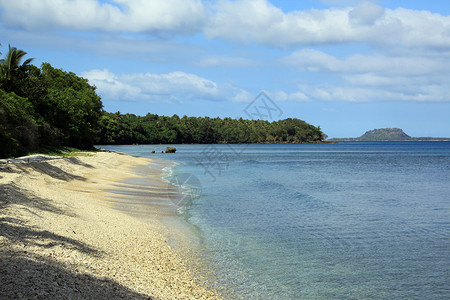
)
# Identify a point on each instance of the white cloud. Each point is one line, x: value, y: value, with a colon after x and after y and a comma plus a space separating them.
x: 242, y: 96
x: 173, y: 87
x: 283, y: 96
x: 245, y: 21
x: 427, y: 93
x: 110, y: 85
x: 260, y: 21
x: 371, y: 88
x: 156, y: 16
x: 375, y: 77
x: 409, y: 50
x: 176, y: 86
x: 318, y: 61
x: 365, y: 13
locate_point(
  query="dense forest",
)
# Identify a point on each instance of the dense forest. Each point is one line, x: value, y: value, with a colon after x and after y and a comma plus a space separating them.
x: 116, y: 128
x: 45, y: 108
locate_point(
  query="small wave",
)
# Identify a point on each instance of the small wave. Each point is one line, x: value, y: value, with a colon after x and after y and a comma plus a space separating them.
x: 168, y: 171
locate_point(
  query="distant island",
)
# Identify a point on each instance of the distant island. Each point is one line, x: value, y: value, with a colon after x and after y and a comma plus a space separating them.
x: 387, y: 134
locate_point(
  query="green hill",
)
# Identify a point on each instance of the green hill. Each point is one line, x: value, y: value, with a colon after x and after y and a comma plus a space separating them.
x: 387, y: 134
x: 384, y: 134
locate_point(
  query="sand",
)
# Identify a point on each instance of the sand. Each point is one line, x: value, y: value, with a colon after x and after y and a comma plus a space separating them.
x: 62, y: 238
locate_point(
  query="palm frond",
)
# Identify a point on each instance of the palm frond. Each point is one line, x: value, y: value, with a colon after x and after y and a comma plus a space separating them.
x: 11, y: 63
x: 28, y: 61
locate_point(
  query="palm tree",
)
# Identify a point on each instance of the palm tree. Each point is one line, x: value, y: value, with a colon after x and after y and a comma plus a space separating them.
x: 10, y: 65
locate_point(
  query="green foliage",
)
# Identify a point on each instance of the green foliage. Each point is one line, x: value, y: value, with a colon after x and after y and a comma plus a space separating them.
x: 44, y: 107
x: 18, y: 129
x: 10, y: 67
x: 117, y: 128
x: 73, y: 107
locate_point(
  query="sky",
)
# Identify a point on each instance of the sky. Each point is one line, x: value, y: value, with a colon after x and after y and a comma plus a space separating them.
x: 346, y: 66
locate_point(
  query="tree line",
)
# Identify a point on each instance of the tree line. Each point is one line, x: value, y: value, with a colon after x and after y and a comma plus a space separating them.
x: 45, y: 108
x: 117, y: 128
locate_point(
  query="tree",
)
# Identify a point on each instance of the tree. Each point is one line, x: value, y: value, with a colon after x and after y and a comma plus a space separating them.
x: 43, y: 108
x: 18, y: 130
x: 74, y: 107
x: 10, y: 67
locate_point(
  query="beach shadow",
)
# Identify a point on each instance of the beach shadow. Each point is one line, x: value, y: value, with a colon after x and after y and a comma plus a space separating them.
x: 24, y: 275
x: 5, y: 168
x: 52, y: 171
x: 76, y: 161
x: 12, y: 194
x: 37, y: 277
x: 17, y: 232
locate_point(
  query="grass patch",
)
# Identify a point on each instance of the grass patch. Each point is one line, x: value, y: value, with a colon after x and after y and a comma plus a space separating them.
x: 65, y: 152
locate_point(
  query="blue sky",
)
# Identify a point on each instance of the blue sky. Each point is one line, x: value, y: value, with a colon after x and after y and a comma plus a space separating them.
x: 348, y: 66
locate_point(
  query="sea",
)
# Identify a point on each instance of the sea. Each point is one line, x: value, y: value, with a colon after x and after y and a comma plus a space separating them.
x: 352, y: 220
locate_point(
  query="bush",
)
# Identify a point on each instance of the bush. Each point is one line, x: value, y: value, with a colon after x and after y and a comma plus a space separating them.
x: 19, y: 132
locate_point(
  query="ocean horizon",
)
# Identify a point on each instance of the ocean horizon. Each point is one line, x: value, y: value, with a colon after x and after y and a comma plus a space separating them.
x: 316, y: 221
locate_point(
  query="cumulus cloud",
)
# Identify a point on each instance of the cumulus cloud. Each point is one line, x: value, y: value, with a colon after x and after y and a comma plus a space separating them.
x: 365, y: 13
x: 241, y: 20
x: 260, y: 21
x: 156, y: 16
x: 176, y: 86
x: 110, y: 86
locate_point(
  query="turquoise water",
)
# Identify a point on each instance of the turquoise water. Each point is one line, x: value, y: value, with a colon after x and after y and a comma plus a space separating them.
x: 350, y: 220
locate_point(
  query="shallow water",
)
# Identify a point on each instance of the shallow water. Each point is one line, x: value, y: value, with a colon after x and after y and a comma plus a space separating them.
x: 347, y: 220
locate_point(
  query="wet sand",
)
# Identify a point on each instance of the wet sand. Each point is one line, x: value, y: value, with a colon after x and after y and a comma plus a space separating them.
x: 67, y: 231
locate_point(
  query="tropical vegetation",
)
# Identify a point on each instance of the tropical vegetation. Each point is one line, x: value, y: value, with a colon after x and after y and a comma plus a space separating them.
x: 117, y: 128
x: 43, y: 109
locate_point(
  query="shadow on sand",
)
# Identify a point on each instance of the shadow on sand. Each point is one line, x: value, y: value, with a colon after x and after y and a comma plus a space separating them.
x: 26, y: 275
x: 52, y: 171
x: 76, y: 161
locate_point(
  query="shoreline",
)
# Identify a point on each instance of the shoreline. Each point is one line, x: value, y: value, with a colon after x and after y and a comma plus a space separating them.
x: 62, y: 237
x: 149, y: 195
